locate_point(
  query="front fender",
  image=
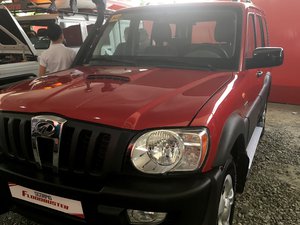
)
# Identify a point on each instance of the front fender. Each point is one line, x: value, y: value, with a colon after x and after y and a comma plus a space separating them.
x: 234, y: 127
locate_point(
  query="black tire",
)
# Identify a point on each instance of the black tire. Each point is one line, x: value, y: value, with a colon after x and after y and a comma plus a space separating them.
x: 227, y: 194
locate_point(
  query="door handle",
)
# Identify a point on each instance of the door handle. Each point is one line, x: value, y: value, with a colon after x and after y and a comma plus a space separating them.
x: 259, y: 73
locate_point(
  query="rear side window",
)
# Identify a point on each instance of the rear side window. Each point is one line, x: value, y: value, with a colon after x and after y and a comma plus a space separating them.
x: 251, y: 33
x: 264, y: 23
x: 260, y: 32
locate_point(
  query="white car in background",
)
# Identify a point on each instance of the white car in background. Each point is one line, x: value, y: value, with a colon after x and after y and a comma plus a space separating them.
x: 18, y: 57
x: 23, y: 38
x: 76, y: 27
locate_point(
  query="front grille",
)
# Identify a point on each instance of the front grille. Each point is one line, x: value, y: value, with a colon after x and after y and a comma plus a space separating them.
x: 85, y: 148
x: 16, y: 138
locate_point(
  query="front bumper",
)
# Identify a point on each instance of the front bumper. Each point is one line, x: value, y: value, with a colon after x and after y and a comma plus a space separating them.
x: 188, y: 200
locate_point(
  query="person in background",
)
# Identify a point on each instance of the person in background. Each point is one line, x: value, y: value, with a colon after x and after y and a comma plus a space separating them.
x: 57, y: 57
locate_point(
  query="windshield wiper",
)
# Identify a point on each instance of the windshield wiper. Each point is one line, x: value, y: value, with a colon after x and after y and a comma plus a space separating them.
x: 111, y: 61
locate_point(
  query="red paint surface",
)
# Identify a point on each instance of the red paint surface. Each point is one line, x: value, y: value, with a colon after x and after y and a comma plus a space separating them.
x: 284, y: 31
x: 141, y: 98
x: 149, y: 98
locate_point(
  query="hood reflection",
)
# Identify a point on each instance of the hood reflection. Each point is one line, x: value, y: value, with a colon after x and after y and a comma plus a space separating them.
x: 110, y: 82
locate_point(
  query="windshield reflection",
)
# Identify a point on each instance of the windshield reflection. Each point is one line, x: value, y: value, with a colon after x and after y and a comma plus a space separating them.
x: 205, y: 38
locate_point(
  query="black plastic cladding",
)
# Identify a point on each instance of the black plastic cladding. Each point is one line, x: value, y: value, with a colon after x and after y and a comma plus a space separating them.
x: 86, y: 148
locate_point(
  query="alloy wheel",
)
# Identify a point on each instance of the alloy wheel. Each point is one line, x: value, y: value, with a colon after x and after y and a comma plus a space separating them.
x: 226, y: 201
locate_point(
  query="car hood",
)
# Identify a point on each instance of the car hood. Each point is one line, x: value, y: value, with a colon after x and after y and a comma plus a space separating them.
x: 13, y: 39
x: 130, y: 98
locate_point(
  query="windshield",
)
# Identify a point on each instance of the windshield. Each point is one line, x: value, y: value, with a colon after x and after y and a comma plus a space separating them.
x: 205, y: 37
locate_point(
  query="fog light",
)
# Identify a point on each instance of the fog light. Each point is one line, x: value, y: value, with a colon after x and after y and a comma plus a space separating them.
x: 144, y: 217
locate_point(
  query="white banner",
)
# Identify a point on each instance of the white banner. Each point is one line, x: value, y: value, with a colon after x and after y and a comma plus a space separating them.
x: 61, y: 204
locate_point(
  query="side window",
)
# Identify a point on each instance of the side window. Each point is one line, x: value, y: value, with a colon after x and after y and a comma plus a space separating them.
x: 145, y: 27
x: 266, y: 32
x: 112, y: 38
x: 260, y: 32
x: 121, y: 28
x: 40, y: 40
x: 251, y: 40
x: 73, y: 35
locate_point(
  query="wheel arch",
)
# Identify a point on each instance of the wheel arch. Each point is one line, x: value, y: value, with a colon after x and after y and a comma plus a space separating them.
x: 233, y: 144
x: 241, y: 161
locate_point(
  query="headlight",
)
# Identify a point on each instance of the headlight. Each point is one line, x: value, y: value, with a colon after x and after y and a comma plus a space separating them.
x: 161, y: 151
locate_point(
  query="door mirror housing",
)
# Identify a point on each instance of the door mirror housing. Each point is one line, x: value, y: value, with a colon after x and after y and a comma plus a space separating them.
x: 265, y: 57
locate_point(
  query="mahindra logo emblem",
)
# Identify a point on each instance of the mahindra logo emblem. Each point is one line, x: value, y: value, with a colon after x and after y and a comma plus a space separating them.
x: 44, y: 128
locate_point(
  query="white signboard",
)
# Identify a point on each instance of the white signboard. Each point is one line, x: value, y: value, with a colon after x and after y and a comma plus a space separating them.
x: 61, y: 204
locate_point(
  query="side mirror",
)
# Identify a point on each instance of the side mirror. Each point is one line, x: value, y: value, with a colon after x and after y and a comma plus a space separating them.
x: 265, y: 57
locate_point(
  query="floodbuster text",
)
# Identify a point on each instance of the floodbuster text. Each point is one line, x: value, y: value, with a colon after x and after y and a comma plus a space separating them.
x: 44, y: 198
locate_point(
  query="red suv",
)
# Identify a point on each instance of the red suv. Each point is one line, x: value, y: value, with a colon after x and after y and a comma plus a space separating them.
x: 156, y: 123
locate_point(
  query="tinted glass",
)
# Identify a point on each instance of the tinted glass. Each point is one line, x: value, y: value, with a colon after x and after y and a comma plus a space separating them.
x: 206, y: 37
x: 251, y: 40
